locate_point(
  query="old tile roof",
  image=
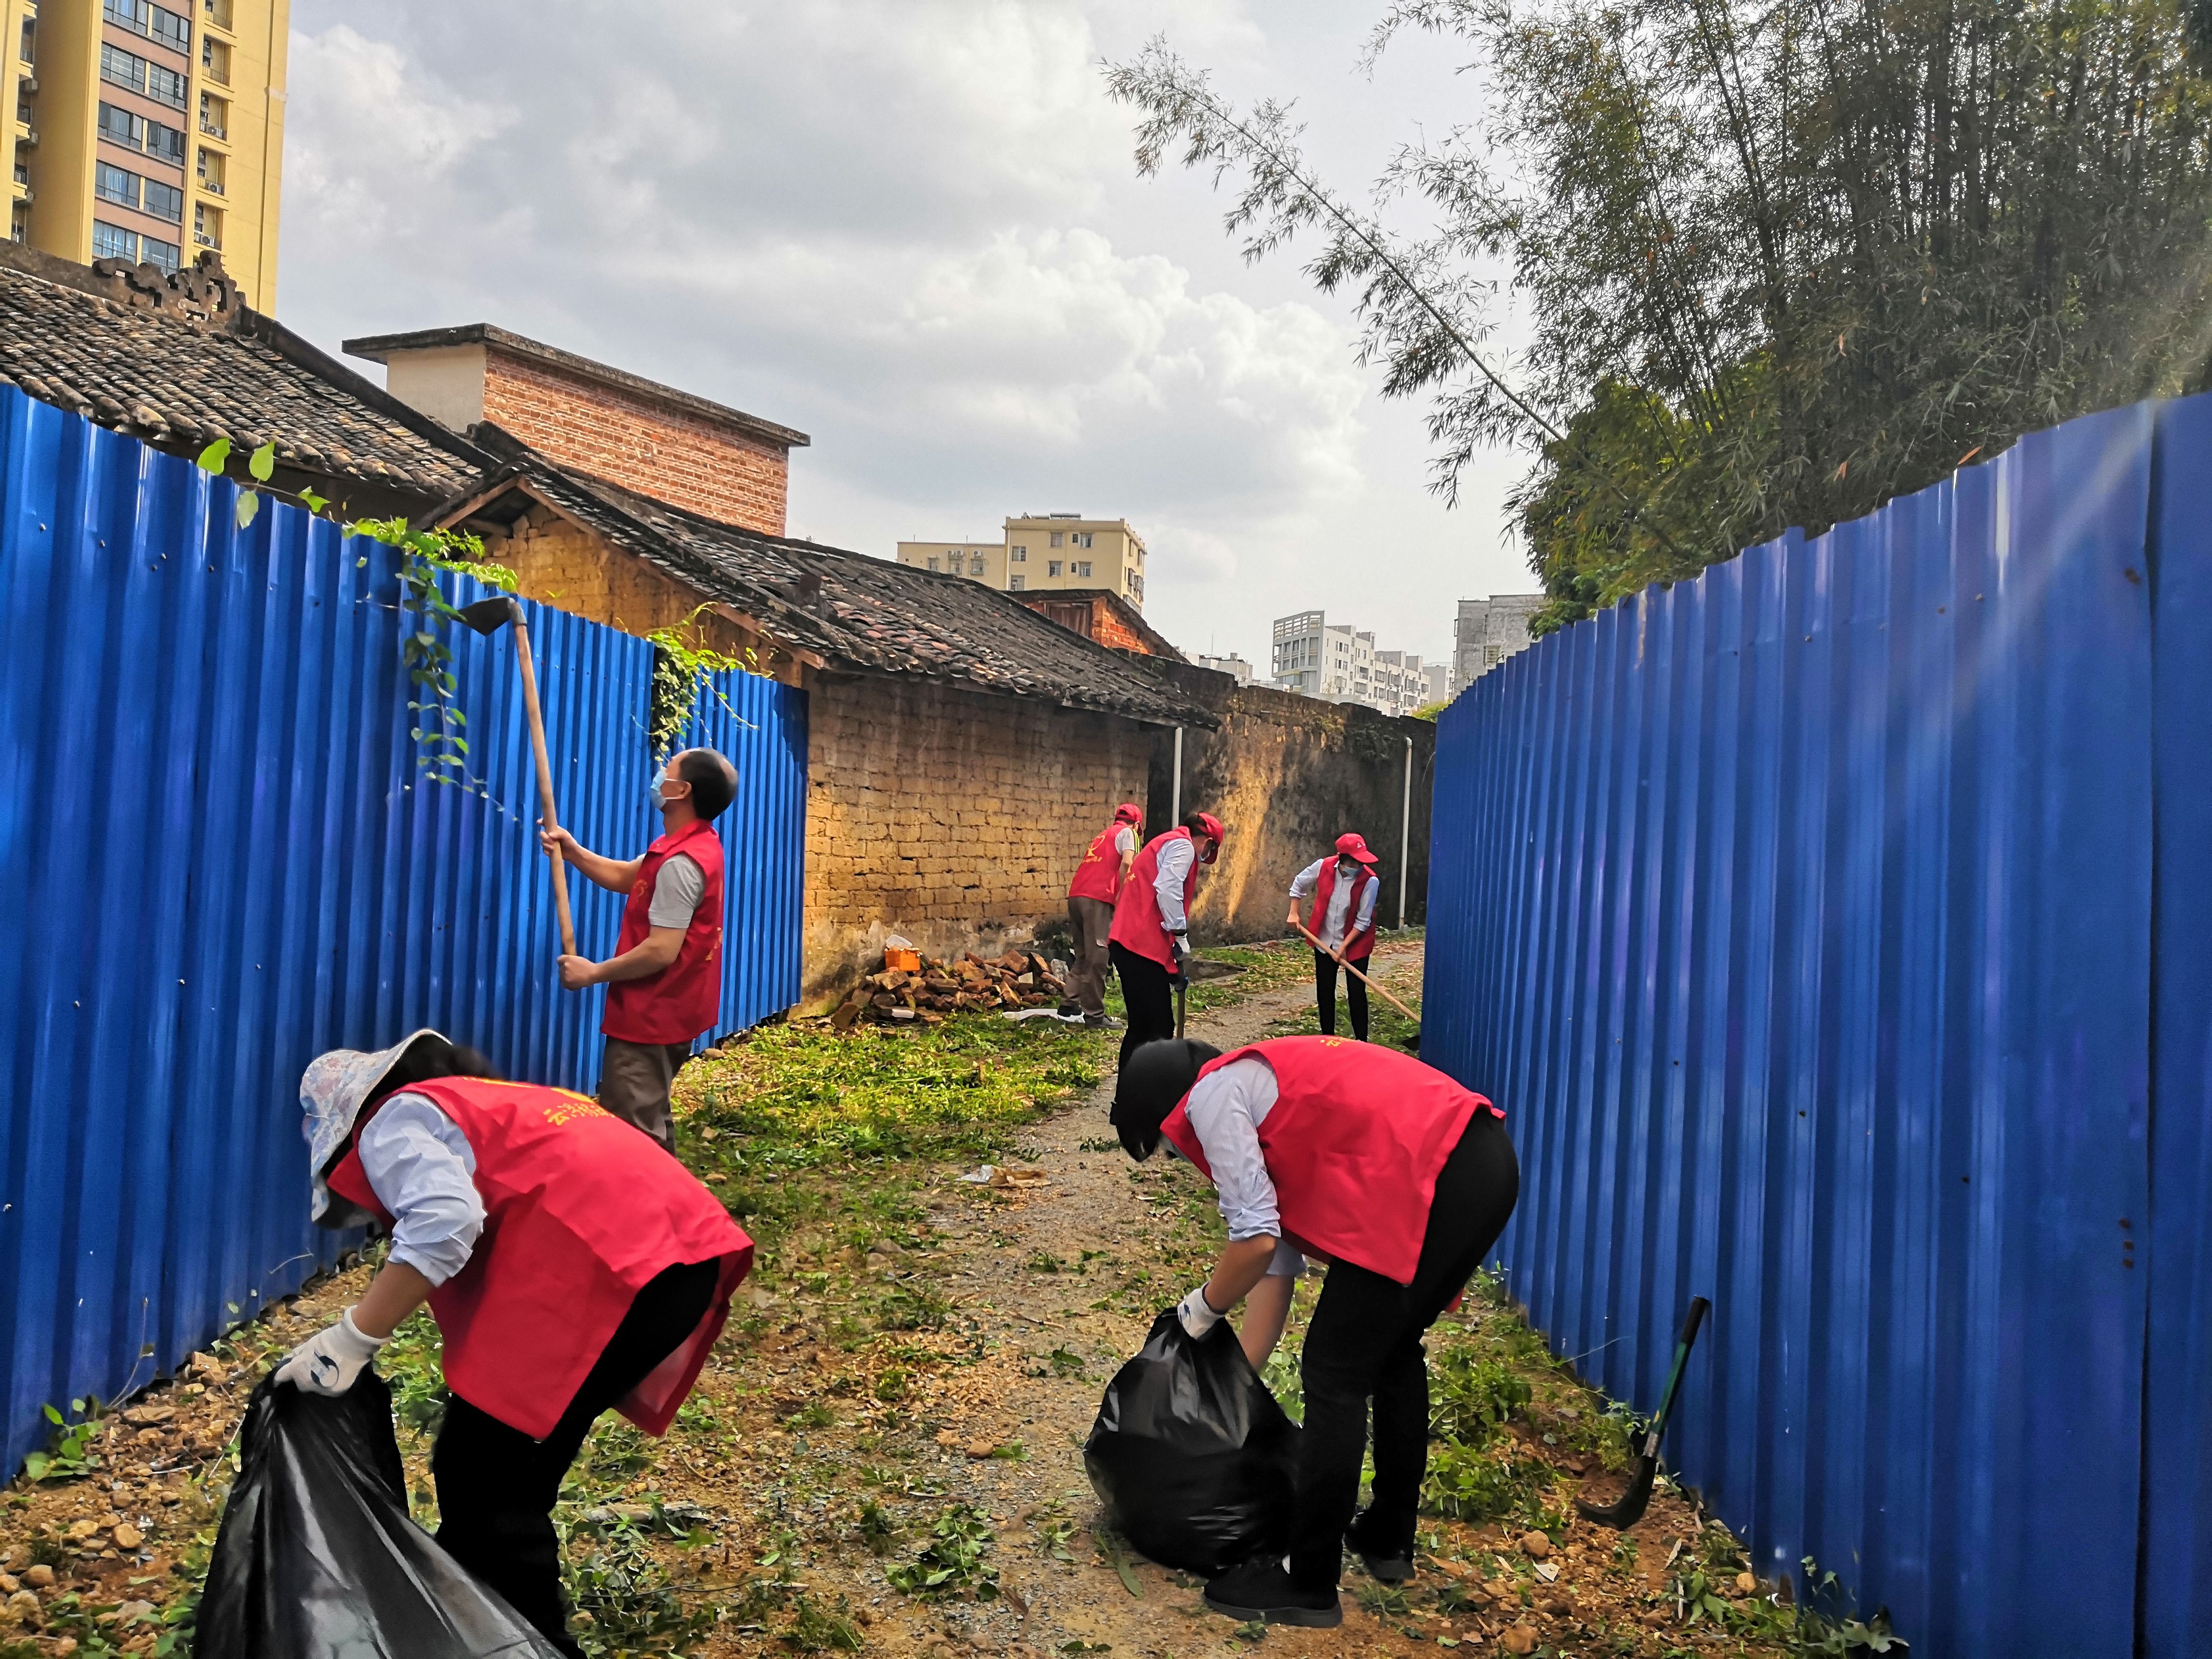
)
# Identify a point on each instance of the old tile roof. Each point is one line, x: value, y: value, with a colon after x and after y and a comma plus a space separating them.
x: 852, y: 612
x: 180, y: 361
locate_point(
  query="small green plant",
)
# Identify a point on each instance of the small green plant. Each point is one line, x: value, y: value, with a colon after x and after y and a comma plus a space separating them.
x: 624, y: 1601
x: 814, y: 1414
x: 681, y: 670
x: 1471, y: 1396
x: 1065, y: 1362
x: 71, y: 1456
x: 910, y: 1308
x: 1474, y: 1484
x: 1044, y: 1261
x: 952, y: 1563
x: 877, y: 1528
x: 1055, y: 1533
x: 814, y: 1629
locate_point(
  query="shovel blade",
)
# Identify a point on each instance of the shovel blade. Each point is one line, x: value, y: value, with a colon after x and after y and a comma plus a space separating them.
x: 488, y: 616
x: 1625, y: 1510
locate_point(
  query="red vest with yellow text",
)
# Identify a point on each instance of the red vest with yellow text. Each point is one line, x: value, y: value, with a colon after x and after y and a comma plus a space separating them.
x: 1099, y: 875
x: 1358, y: 943
x: 1137, y: 924
x: 684, y: 999
x: 1353, y: 1144
x: 580, y: 1210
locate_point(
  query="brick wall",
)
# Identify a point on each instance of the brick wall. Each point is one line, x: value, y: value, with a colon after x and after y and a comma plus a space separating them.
x: 1287, y: 775
x: 672, y: 456
x: 953, y: 818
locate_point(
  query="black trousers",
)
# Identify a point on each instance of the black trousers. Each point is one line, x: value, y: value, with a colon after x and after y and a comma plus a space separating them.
x: 497, y: 1487
x: 1147, y: 996
x: 1355, y: 994
x: 1366, y: 1342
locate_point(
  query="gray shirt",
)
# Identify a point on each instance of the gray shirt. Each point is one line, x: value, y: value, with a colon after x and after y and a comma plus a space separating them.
x: 677, y: 890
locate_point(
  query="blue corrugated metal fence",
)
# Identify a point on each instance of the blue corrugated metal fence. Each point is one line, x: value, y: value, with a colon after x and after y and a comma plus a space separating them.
x: 1810, y: 919
x: 222, y: 859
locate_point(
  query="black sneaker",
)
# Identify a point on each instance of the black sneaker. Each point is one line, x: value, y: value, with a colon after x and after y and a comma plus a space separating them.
x: 1263, y: 1590
x: 1389, y: 1564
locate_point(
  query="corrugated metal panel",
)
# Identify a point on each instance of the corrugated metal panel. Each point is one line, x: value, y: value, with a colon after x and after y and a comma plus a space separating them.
x: 222, y: 861
x: 1803, y: 927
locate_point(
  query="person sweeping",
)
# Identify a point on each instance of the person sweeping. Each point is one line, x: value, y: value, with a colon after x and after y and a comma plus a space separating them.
x: 571, y: 1263
x: 1343, y: 890
x: 1402, y: 1181
x: 1150, y: 942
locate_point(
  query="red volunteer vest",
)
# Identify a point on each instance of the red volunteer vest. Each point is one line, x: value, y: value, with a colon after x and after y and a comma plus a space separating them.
x: 1099, y: 875
x: 1137, y: 924
x: 1352, y: 1142
x: 685, y: 998
x: 1358, y: 945
x: 580, y: 1210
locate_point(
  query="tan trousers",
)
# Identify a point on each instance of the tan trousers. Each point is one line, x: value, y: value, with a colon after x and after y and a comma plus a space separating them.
x: 634, y: 1079
x: 1087, y: 974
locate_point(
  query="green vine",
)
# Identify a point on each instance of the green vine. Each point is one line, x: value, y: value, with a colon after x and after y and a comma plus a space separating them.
x: 680, y: 671
x: 424, y: 556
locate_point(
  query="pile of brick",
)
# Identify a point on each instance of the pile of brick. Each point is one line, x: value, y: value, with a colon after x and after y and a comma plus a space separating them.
x: 967, y: 984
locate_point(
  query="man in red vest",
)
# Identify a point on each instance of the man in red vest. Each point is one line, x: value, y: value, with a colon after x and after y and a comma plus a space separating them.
x: 1343, y: 890
x: 1091, y: 898
x: 571, y: 1266
x: 665, y: 979
x: 1402, y: 1181
x: 1151, y: 938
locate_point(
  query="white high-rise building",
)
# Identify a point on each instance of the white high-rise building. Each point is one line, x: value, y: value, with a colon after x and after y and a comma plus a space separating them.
x: 1338, y: 663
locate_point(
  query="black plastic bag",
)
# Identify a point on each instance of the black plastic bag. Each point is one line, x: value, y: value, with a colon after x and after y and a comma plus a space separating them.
x: 318, y: 1558
x: 1191, y: 1455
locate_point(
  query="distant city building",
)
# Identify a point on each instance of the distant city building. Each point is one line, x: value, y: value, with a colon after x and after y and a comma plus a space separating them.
x: 1439, y: 677
x: 1338, y: 663
x: 1488, y: 631
x: 1232, y: 665
x: 1045, y: 551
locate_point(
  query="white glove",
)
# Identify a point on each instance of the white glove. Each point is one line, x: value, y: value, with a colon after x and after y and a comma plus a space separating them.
x: 1197, y: 1313
x: 330, y: 1361
x: 1180, y: 946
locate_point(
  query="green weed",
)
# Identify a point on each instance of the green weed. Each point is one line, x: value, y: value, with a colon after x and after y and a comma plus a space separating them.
x: 69, y: 1456
x: 1472, y: 1395
x: 814, y: 1629
x: 952, y: 1563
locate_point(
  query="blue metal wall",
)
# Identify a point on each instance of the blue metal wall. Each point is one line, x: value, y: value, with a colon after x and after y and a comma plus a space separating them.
x: 221, y: 860
x: 1802, y: 918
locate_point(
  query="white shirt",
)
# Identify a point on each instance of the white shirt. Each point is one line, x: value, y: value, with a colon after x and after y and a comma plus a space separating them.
x: 423, y: 1170
x: 1332, y: 929
x: 1226, y: 1110
x: 1167, y: 886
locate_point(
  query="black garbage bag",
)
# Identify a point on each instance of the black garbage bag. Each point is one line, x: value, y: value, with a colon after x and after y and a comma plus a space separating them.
x: 1191, y: 1455
x: 318, y: 1558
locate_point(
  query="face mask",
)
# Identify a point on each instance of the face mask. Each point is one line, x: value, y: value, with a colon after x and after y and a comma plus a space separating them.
x: 653, y: 793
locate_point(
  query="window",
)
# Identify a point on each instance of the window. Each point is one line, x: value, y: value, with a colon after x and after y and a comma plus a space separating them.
x: 1017, y: 556
x: 171, y: 29
x: 214, y: 58
x: 1082, y: 540
x: 212, y: 171
x: 120, y: 127
x: 215, y: 116
x: 22, y: 167
x: 127, y: 68
x: 113, y: 242
x: 23, y: 102
x: 20, y: 226
x: 1052, y: 566
x: 975, y: 565
x: 1493, y: 653
x: 29, y: 49
x: 167, y: 142
x: 217, y: 12
x: 166, y: 255
x: 932, y: 562
x: 165, y: 86
x: 113, y: 184
x: 1082, y: 568
x: 1015, y: 584
x: 1055, y: 538
x: 165, y: 202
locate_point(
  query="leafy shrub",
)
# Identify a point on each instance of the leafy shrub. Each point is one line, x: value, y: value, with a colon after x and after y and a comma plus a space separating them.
x: 952, y: 1563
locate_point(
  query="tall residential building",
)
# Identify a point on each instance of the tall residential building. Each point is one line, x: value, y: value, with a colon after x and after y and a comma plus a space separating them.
x: 1488, y: 631
x: 147, y: 132
x: 1439, y: 677
x: 1045, y: 550
x: 1318, y: 658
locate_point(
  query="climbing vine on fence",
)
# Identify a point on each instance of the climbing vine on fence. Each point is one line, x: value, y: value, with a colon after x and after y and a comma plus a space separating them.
x: 681, y: 670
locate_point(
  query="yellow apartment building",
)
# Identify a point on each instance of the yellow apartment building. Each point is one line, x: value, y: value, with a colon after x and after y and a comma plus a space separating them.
x: 148, y: 131
x: 1045, y: 550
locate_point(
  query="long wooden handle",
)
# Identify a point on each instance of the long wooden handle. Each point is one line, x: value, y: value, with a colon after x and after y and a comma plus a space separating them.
x: 1362, y: 978
x: 545, y: 781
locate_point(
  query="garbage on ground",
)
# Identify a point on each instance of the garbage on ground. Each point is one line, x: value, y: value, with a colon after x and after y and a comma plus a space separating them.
x: 997, y: 1175
x: 930, y: 987
x: 1190, y: 1454
x: 318, y: 1555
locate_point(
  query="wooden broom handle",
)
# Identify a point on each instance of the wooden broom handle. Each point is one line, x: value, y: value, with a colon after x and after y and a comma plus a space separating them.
x: 1363, y: 978
x: 544, y: 779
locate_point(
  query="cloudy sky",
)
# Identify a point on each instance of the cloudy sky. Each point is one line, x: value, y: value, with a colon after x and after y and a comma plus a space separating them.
x: 911, y: 228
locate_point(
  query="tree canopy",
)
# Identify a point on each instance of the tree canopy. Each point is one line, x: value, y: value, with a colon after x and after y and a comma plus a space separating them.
x: 1781, y: 259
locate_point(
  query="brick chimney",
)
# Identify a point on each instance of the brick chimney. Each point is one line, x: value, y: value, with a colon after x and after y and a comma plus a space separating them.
x: 675, y: 447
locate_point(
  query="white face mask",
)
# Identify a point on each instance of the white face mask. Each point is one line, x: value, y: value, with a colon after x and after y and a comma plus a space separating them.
x: 653, y: 792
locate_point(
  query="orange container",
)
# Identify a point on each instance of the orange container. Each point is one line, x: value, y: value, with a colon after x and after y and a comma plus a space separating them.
x: 904, y: 961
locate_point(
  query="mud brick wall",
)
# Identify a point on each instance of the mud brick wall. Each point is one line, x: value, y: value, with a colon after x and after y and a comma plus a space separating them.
x: 673, y: 456
x: 953, y: 818
x: 1287, y: 775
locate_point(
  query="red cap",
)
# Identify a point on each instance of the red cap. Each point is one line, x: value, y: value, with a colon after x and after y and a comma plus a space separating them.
x: 1127, y: 813
x: 1210, y: 826
x: 1350, y: 846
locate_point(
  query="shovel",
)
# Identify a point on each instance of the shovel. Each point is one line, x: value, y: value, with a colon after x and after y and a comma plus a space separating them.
x: 488, y: 617
x: 1625, y: 1510
x: 1414, y: 1043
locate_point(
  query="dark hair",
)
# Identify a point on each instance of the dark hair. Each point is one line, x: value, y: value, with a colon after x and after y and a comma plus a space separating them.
x: 1152, y: 1084
x: 713, y: 781
x: 427, y: 1057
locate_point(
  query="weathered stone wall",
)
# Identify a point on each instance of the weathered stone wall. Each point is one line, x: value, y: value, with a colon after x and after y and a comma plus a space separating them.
x: 1287, y: 775
x: 953, y: 818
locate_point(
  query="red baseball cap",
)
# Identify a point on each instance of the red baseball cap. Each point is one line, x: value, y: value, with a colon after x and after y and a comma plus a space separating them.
x: 1127, y: 813
x: 1350, y: 846
x: 1210, y: 826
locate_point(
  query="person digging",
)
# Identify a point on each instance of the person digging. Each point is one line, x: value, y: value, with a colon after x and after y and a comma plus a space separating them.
x: 1150, y: 944
x: 1399, y: 1180
x: 1090, y: 895
x: 571, y: 1264
x: 1343, y: 890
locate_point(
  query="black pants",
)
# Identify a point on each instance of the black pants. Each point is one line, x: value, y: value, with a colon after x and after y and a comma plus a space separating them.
x: 1148, y: 998
x: 1355, y: 993
x: 1366, y: 1343
x: 497, y: 1487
